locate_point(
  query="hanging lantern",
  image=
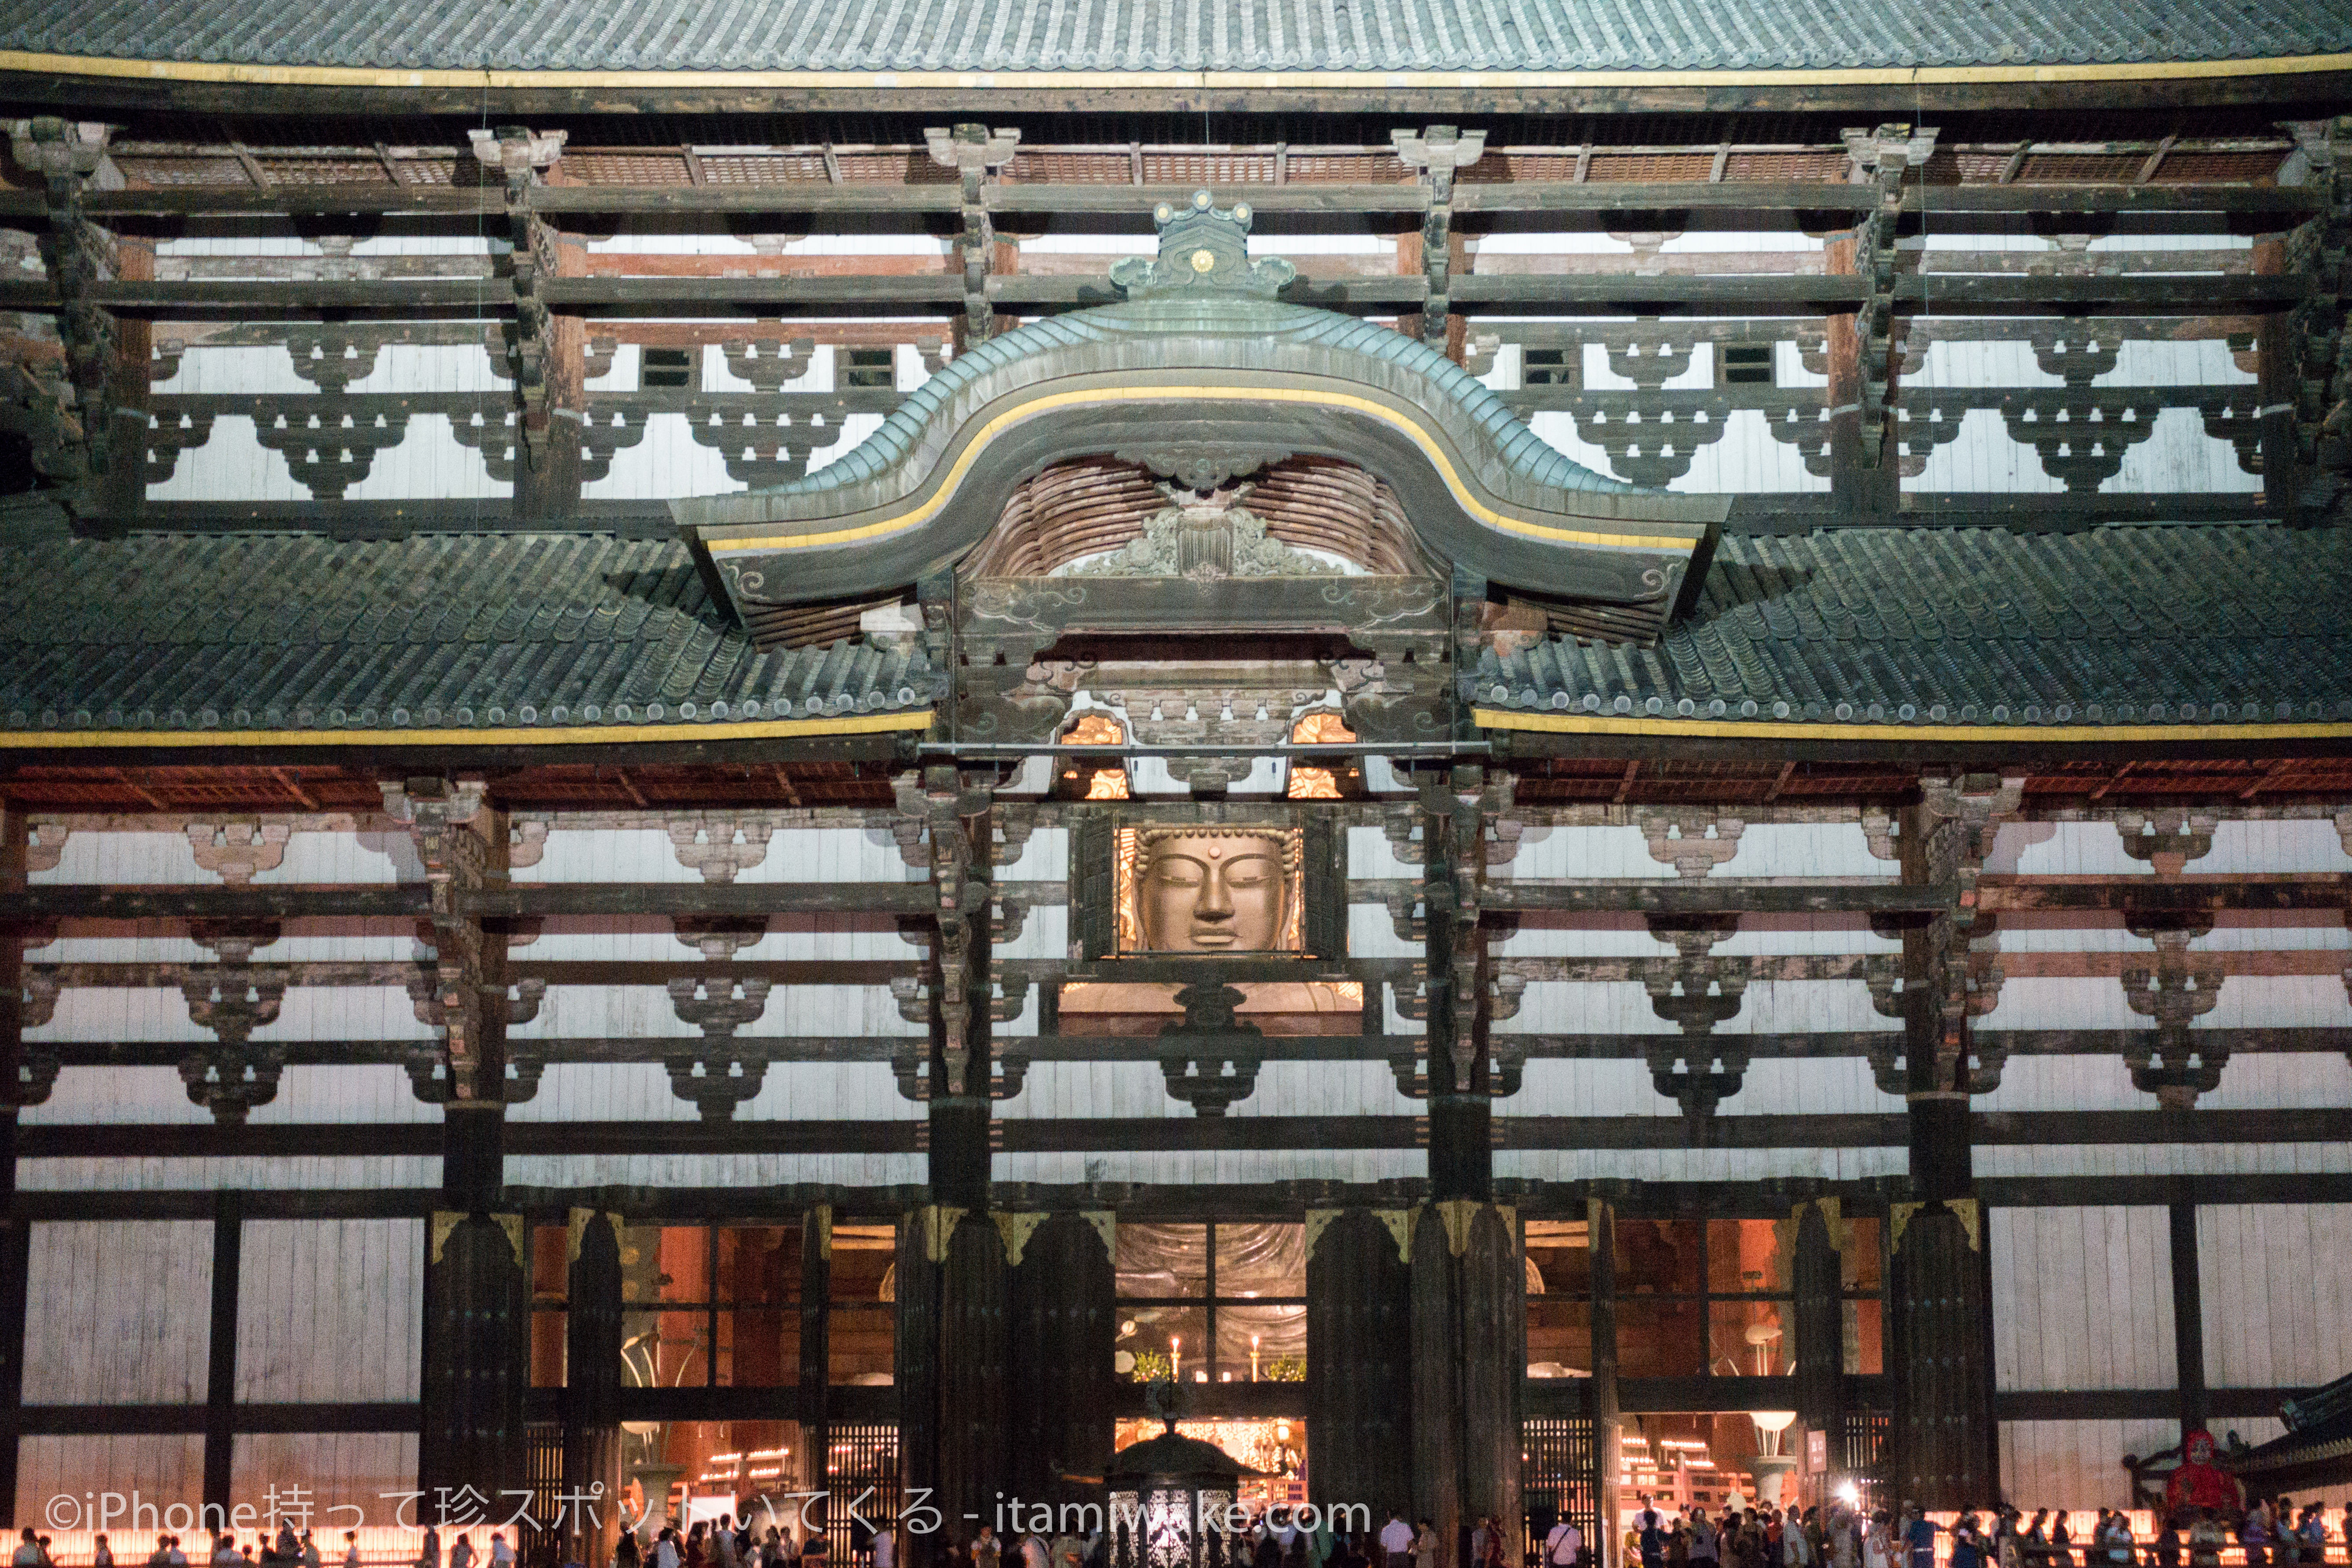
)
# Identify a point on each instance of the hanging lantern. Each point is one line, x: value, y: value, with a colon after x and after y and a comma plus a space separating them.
x: 1171, y: 1498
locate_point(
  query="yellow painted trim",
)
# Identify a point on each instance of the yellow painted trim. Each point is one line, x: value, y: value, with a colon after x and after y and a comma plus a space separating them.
x: 1771, y: 730
x: 1211, y: 81
x: 522, y: 736
x: 1036, y: 406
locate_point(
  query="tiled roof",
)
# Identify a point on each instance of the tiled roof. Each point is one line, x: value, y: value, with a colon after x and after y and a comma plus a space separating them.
x: 2204, y: 623
x: 1174, y: 34
x: 285, y: 631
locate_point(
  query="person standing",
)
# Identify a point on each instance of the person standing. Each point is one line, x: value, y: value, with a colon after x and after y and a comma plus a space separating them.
x: 1918, y: 1537
x: 430, y: 1557
x: 350, y: 1549
x: 985, y: 1551
x: 1706, y: 1544
x: 1396, y: 1541
x: 462, y: 1554
x: 1562, y: 1547
x: 886, y: 1546
x: 1424, y: 1545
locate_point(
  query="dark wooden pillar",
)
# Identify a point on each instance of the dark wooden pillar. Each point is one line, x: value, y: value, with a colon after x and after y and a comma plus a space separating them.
x: 1065, y: 1328
x: 1819, y: 1342
x: 592, y: 1385
x: 220, y: 1380
x: 1461, y: 1114
x: 1944, y: 1439
x: 1360, y: 1377
x: 1469, y: 1351
x: 916, y: 1372
x: 1436, y: 1380
x: 1608, y: 1420
x: 1945, y: 1442
x: 816, y: 1341
x: 972, y: 1460
x: 2187, y: 1321
x: 477, y: 1310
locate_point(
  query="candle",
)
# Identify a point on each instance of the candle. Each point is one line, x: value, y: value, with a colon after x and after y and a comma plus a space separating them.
x: 1175, y: 1359
x: 1253, y: 1339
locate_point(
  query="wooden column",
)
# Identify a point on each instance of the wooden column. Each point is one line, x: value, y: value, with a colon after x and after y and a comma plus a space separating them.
x: 1819, y: 1342
x: 954, y: 810
x: 1461, y: 1114
x: 973, y: 1352
x: 2187, y: 1321
x: 476, y: 1368
x: 1064, y: 1326
x: 1859, y: 486
x: 592, y: 1385
x: 1608, y: 1421
x: 1945, y: 1438
x: 916, y: 1371
x: 817, y: 1341
x: 1359, y: 1378
x: 123, y: 488
x: 220, y: 1378
x: 1469, y: 1351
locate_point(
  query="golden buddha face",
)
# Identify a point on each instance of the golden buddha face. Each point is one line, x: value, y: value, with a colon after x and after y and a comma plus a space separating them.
x: 1211, y: 891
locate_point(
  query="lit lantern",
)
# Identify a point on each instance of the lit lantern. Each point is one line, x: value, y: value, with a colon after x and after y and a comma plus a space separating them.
x: 1172, y: 1504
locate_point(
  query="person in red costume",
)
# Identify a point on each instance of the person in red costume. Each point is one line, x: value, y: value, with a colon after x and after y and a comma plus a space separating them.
x: 2200, y: 1482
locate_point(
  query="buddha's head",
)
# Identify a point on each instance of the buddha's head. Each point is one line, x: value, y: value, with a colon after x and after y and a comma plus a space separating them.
x: 1211, y: 890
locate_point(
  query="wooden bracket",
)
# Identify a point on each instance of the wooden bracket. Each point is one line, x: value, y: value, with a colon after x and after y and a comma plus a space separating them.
x: 978, y: 155
x: 522, y: 157
x: 1437, y: 154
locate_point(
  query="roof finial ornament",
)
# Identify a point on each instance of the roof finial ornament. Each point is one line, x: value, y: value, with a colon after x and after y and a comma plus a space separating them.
x: 1202, y: 248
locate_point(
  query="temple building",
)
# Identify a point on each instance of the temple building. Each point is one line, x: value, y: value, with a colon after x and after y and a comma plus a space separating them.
x: 1465, y: 758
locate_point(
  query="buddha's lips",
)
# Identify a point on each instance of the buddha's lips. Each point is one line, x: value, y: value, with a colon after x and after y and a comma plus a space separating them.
x: 1213, y: 936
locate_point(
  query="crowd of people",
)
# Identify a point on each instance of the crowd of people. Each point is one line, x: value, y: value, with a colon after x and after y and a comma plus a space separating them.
x: 2271, y: 1533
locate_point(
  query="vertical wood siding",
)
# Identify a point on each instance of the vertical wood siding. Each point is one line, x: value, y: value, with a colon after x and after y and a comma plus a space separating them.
x: 119, y: 1313
x: 2081, y: 1298
x: 329, y: 1310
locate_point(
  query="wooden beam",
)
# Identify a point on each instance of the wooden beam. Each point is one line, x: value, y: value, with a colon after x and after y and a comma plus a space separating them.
x: 2285, y: 203
x: 1573, y: 294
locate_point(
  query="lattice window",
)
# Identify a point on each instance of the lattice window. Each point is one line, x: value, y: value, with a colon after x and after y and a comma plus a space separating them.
x: 2216, y: 168
x: 1071, y: 169
x: 1651, y: 167
x: 1866, y: 1434
x: 1345, y: 168
x: 1745, y: 364
x: 869, y: 367
x: 427, y: 171
x: 1208, y: 168
x: 762, y: 168
x: 2081, y: 168
x: 536, y: 1538
x: 667, y: 367
x: 863, y: 1455
x: 1497, y: 168
x: 1559, y: 1478
x: 1821, y: 166
x: 1550, y: 367
x: 893, y: 167
x: 627, y: 168
x: 173, y: 172
x: 323, y: 172
x: 1966, y: 166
